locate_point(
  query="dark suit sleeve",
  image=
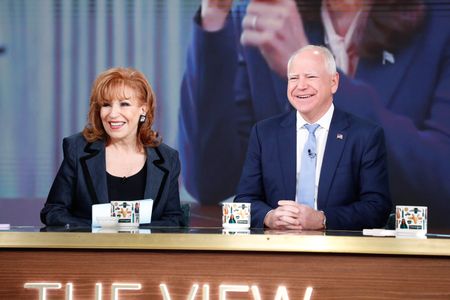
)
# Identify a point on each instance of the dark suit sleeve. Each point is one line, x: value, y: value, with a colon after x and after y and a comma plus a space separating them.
x: 417, y: 126
x: 172, y: 215
x: 56, y: 211
x: 215, y: 114
x: 373, y: 204
x: 424, y: 140
x: 251, y: 184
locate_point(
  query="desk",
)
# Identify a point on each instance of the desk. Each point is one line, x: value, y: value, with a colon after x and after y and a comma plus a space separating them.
x: 172, y: 263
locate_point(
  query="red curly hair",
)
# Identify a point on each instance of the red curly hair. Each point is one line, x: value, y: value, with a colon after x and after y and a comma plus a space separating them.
x: 109, y: 86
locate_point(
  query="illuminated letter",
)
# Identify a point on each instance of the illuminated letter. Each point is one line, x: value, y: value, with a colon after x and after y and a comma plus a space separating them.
x: 308, y: 293
x: 42, y: 286
x: 164, y: 291
x: 116, y: 287
x: 193, y: 292
x: 98, y: 291
x: 281, y: 293
x: 206, y: 292
x: 223, y: 289
x: 69, y: 291
x: 255, y: 292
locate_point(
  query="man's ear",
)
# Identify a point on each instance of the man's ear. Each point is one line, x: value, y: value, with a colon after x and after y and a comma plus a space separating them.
x: 334, y: 82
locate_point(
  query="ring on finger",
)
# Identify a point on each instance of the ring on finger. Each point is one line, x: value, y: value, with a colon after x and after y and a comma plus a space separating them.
x: 254, y: 20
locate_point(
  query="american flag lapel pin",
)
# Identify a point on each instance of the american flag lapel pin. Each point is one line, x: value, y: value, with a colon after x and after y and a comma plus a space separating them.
x: 388, y: 57
x: 340, y: 136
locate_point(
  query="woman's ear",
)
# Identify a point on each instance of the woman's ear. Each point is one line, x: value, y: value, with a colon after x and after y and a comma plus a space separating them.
x: 144, y: 110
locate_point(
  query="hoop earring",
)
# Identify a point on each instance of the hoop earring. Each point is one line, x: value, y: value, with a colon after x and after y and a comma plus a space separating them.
x: 142, y: 119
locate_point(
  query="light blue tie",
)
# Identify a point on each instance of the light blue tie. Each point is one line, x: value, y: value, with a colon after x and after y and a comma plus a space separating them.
x: 307, y: 178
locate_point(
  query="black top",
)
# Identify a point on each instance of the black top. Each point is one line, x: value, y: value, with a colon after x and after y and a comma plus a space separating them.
x: 127, y: 188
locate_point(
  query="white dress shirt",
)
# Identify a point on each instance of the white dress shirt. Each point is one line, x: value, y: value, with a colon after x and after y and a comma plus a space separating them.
x: 340, y: 45
x: 321, y: 140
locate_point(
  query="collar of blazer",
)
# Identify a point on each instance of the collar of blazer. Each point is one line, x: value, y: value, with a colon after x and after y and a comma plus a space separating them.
x: 336, y: 140
x: 94, y: 171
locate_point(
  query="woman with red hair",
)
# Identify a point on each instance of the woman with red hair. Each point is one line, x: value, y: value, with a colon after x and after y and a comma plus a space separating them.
x: 118, y: 156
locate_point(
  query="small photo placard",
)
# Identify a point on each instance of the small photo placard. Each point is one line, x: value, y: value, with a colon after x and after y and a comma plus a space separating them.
x: 126, y: 212
x: 236, y: 215
x: 102, y: 214
x: 411, y: 219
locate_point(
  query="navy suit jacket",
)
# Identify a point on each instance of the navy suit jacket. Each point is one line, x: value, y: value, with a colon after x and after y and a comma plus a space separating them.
x: 227, y: 88
x: 353, y: 188
x: 81, y: 182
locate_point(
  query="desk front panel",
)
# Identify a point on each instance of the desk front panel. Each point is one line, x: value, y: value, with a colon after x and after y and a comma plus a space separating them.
x: 331, y: 276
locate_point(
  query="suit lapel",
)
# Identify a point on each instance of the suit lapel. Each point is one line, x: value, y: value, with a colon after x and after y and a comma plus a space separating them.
x: 385, y: 74
x: 156, y: 175
x: 94, y: 170
x: 287, y: 146
x: 336, y: 140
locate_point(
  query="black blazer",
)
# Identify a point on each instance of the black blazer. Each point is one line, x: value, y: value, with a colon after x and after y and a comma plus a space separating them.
x: 81, y: 182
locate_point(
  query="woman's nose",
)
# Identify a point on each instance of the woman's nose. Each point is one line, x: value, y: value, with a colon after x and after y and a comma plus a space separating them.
x: 115, y: 109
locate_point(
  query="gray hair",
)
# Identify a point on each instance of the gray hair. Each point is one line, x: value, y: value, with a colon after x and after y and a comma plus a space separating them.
x: 330, y: 63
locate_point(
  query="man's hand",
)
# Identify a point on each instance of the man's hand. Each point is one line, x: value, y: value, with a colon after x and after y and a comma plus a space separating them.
x: 276, y: 28
x: 284, y: 216
x: 214, y: 13
x: 292, y: 215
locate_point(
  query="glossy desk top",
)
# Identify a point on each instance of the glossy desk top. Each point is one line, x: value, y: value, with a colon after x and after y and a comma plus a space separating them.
x: 216, y: 239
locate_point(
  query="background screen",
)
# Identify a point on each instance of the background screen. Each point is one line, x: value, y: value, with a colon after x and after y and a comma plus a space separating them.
x: 51, y: 51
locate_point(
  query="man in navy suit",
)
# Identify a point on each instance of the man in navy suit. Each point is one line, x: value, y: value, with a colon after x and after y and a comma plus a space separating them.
x: 351, y: 188
x: 401, y: 82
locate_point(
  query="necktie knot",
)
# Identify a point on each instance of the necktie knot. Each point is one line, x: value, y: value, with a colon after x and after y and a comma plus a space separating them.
x: 311, y: 127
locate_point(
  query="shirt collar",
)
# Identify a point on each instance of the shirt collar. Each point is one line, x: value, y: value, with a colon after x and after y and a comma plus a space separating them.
x: 331, y: 35
x: 339, y: 45
x: 324, y: 121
